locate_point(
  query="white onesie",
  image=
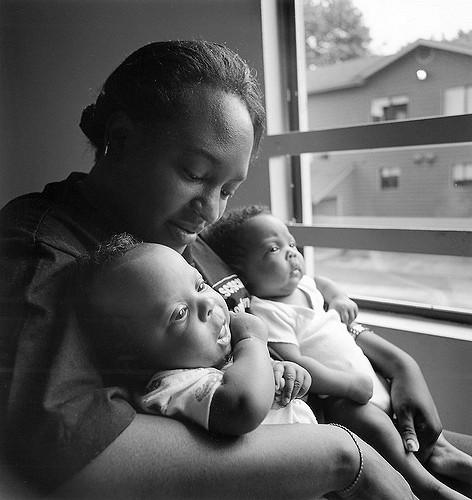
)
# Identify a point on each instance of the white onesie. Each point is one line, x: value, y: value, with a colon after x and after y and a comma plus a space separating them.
x: 320, y: 335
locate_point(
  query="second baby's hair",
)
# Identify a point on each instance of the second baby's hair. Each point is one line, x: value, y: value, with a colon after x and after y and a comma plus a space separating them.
x: 225, y: 235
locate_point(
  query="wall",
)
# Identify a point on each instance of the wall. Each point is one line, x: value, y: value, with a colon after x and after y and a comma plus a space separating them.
x: 55, y: 55
x: 445, y: 363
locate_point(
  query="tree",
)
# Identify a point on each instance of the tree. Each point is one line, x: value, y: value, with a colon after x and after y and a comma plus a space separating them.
x: 463, y: 37
x: 334, y: 31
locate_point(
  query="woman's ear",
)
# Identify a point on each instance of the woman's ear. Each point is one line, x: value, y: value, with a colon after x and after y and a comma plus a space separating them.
x: 120, y: 135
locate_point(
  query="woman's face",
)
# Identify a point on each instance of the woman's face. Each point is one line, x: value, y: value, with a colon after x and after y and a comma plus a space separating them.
x: 178, y: 177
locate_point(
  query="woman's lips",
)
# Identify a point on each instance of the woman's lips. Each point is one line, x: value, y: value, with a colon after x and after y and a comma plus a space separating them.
x: 185, y: 234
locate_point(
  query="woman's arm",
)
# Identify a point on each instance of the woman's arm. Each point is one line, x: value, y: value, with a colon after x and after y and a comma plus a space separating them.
x: 417, y: 417
x: 158, y: 456
x: 326, y: 380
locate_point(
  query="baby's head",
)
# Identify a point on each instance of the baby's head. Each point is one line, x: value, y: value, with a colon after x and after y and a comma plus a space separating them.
x: 260, y: 248
x: 148, y: 305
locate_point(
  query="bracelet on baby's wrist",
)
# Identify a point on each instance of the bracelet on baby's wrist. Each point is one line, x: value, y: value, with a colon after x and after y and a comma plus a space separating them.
x: 355, y: 329
x: 348, y: 489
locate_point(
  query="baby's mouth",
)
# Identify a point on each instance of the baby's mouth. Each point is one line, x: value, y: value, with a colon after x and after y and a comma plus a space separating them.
x: 224, y: 337
x: 295, y: 271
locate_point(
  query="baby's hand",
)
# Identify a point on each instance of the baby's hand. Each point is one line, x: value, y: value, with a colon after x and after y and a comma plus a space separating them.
x: 360, y: 387
x: 244, y: 325
x: 291, y: 381
x: 346, y: 308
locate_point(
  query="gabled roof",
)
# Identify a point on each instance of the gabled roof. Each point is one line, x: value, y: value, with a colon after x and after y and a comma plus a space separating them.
x: 355, y: 72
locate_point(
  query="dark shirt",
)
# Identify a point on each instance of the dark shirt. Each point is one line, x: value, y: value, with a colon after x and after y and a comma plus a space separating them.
x: 56, y: 413
x: 57, y: 410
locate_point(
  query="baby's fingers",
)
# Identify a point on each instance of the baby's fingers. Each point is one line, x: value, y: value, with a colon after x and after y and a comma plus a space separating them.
x: 304, y: 385
x: 278, y: 368
x: 291, y: 384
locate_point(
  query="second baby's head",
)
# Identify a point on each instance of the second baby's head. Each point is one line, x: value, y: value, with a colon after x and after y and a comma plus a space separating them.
x: 260, y: 248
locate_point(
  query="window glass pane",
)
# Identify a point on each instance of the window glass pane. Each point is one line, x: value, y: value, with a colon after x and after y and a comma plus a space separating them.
x: 420, y: 184
x: 454, y: 101
x: 369, y: 61
x: 432, y: 280
x: 407, y: 188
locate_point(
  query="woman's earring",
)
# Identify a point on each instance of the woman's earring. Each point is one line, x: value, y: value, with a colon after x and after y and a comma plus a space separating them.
x: 106, y: 150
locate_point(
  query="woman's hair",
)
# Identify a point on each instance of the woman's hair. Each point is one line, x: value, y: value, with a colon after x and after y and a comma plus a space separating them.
x: 151, y: 84
x: 225, y: 235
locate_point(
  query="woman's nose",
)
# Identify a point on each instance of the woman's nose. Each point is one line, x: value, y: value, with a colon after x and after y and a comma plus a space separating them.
x: 209, y: 206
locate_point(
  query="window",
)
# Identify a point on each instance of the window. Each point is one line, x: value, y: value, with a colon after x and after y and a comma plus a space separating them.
x: 458, y: 100
x: 389, y: 177
x: 380, y: 237
x: 462, y: 174
x: 389, y: 108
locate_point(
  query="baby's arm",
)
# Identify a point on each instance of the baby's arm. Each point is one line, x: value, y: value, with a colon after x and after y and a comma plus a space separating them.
x: 353, y: 385
x: 247, y: 391
x: 337, y: 299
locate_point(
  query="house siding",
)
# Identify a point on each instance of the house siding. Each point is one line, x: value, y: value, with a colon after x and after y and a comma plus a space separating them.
x: 425, y: 188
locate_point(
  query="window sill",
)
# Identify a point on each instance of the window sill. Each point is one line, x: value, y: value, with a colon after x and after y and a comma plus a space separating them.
x: 415, y: 324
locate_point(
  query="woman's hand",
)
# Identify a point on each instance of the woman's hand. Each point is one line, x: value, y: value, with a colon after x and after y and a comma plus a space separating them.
x: 244, y: 325
x: 291, y: 381
x: 417, y: 418
x: 346, y: 308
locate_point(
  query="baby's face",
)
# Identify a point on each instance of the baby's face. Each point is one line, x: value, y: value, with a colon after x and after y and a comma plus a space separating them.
x: 273, y: 266
x: 178, y: 320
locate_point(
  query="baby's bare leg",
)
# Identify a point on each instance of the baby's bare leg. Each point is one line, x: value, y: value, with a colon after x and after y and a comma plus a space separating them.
x: 376, y: 427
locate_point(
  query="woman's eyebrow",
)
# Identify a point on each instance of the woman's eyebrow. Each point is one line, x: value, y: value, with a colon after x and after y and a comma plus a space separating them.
x: 200, y: 151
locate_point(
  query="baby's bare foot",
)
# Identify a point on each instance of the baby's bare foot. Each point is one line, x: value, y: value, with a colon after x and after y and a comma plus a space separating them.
x: 449, y: 461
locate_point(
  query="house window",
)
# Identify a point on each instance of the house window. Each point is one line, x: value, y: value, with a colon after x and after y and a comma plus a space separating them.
x: 458, y: 100
x: 462, y: 174
x: 389, y: 177
x: 389, y: 108
x: 379, y: 242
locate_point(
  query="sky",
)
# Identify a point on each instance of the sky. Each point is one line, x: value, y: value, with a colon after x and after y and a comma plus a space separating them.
x: 395, y: 23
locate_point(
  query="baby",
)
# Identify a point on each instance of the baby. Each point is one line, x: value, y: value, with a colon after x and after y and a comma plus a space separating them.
x: 260, y: 248
x: 153, y: 318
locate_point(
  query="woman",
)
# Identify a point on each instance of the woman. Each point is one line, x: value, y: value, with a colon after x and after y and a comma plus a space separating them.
x: 174, y: 129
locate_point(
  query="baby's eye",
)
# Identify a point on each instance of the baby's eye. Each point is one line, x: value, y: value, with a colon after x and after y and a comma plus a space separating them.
x: 180, y: 313
x: 292, y: 244
x: 202, y: 286
x: 225, y: 194
x: 274, y: 248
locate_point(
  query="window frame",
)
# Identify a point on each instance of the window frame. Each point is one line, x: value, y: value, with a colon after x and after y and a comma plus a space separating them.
x: 455, y: 129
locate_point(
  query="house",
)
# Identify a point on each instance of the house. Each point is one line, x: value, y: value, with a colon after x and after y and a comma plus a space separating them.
x: 426, y: 78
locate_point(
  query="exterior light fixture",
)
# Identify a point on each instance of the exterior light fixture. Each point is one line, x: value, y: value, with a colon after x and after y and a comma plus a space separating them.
x: 421, y: 74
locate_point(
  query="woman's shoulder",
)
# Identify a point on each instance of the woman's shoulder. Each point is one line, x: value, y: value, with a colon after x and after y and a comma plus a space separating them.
x: 54, y: 218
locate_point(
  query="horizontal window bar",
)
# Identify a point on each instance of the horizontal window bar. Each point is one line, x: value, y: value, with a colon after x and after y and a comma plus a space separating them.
x: 422, y: 310
x: 443, y: 242
x: 440, y: 130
